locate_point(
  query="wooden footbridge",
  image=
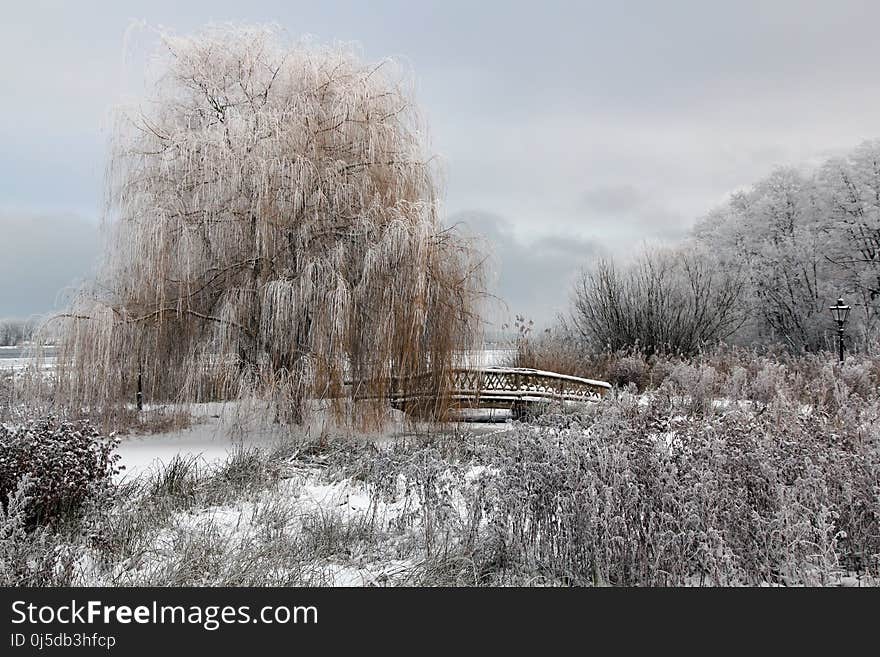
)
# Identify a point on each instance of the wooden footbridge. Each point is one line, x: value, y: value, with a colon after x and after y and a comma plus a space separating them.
x: 516, y: 389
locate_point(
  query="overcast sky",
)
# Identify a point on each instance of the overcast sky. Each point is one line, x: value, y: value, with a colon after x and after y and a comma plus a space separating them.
x: 568, y: 129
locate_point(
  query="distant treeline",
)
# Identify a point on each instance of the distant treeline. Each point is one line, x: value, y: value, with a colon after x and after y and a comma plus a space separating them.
x: 16, y: 331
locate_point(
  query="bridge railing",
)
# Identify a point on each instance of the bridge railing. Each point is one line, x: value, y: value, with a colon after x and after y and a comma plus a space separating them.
x: 498, y: 387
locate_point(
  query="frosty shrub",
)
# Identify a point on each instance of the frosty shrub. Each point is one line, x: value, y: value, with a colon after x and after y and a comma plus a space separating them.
x: 721, y: 373
x: 65, y: 463
x: 648, y: 494
x: 626, y: 370
x: 555, y: 349
x: 30, y: 556
x: 698, y: 383
x: 859, y: 376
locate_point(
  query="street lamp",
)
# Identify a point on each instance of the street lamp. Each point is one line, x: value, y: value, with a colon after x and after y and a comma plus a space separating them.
x: 840, y: 313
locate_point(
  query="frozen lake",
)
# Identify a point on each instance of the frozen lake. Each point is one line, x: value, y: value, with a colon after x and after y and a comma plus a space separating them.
x: 15, y: 358
x: 21, y: 352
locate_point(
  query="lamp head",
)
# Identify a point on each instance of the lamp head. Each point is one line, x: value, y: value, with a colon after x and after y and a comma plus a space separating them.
x: 840, y: 312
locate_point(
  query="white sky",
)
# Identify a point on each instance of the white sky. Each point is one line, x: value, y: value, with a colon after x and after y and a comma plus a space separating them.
x: 566, y: 128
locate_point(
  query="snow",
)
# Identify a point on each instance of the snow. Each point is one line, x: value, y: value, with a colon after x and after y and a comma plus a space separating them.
x: 303, y: 495
x: 217, y: 432
x: 22, y: 363
x: 207, y: 443
x: 373, y: 574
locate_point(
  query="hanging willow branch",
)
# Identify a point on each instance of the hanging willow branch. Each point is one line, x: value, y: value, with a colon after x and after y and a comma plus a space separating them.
x: 274, y: 232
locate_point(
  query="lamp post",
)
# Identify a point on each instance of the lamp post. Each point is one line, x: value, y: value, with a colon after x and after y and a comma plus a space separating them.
x: 840, y: 313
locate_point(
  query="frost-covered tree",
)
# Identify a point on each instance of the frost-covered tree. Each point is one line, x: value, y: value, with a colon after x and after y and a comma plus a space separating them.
x: 849, y: 192
x: 672, y: 301
x: 275, y: 231
x: 771, y: 233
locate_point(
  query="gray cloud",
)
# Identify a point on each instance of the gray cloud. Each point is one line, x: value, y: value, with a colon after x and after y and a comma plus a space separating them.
x: 545, y: 114
x: 533, y: 278
x: 41, y: 258
x: 632, y: 214
x: 614, y: 199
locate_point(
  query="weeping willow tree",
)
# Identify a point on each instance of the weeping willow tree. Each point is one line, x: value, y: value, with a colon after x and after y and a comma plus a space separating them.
x: 275, y: 233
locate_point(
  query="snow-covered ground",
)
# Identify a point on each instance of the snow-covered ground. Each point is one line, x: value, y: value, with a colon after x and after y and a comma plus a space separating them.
x: 305, y: 495
x: 218, y: 430
x: 208, y: 443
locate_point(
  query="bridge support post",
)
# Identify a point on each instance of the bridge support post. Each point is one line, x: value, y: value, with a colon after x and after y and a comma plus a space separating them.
x: 519, y: 410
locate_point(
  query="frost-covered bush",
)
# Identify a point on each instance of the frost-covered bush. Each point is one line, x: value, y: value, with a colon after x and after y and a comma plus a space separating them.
x: 697, y: 383
x: 767, y: 382
x: 639, y: 495
x: 628, y: 370
x: 30, y: 556
x: 636, y: 495
x: 737, y: 383
x: 724, y: 373
x: 555, y: 349
x: 66, y: 464
x: 860, y: 377
x: 672, y: 301
x: 651, y: 490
